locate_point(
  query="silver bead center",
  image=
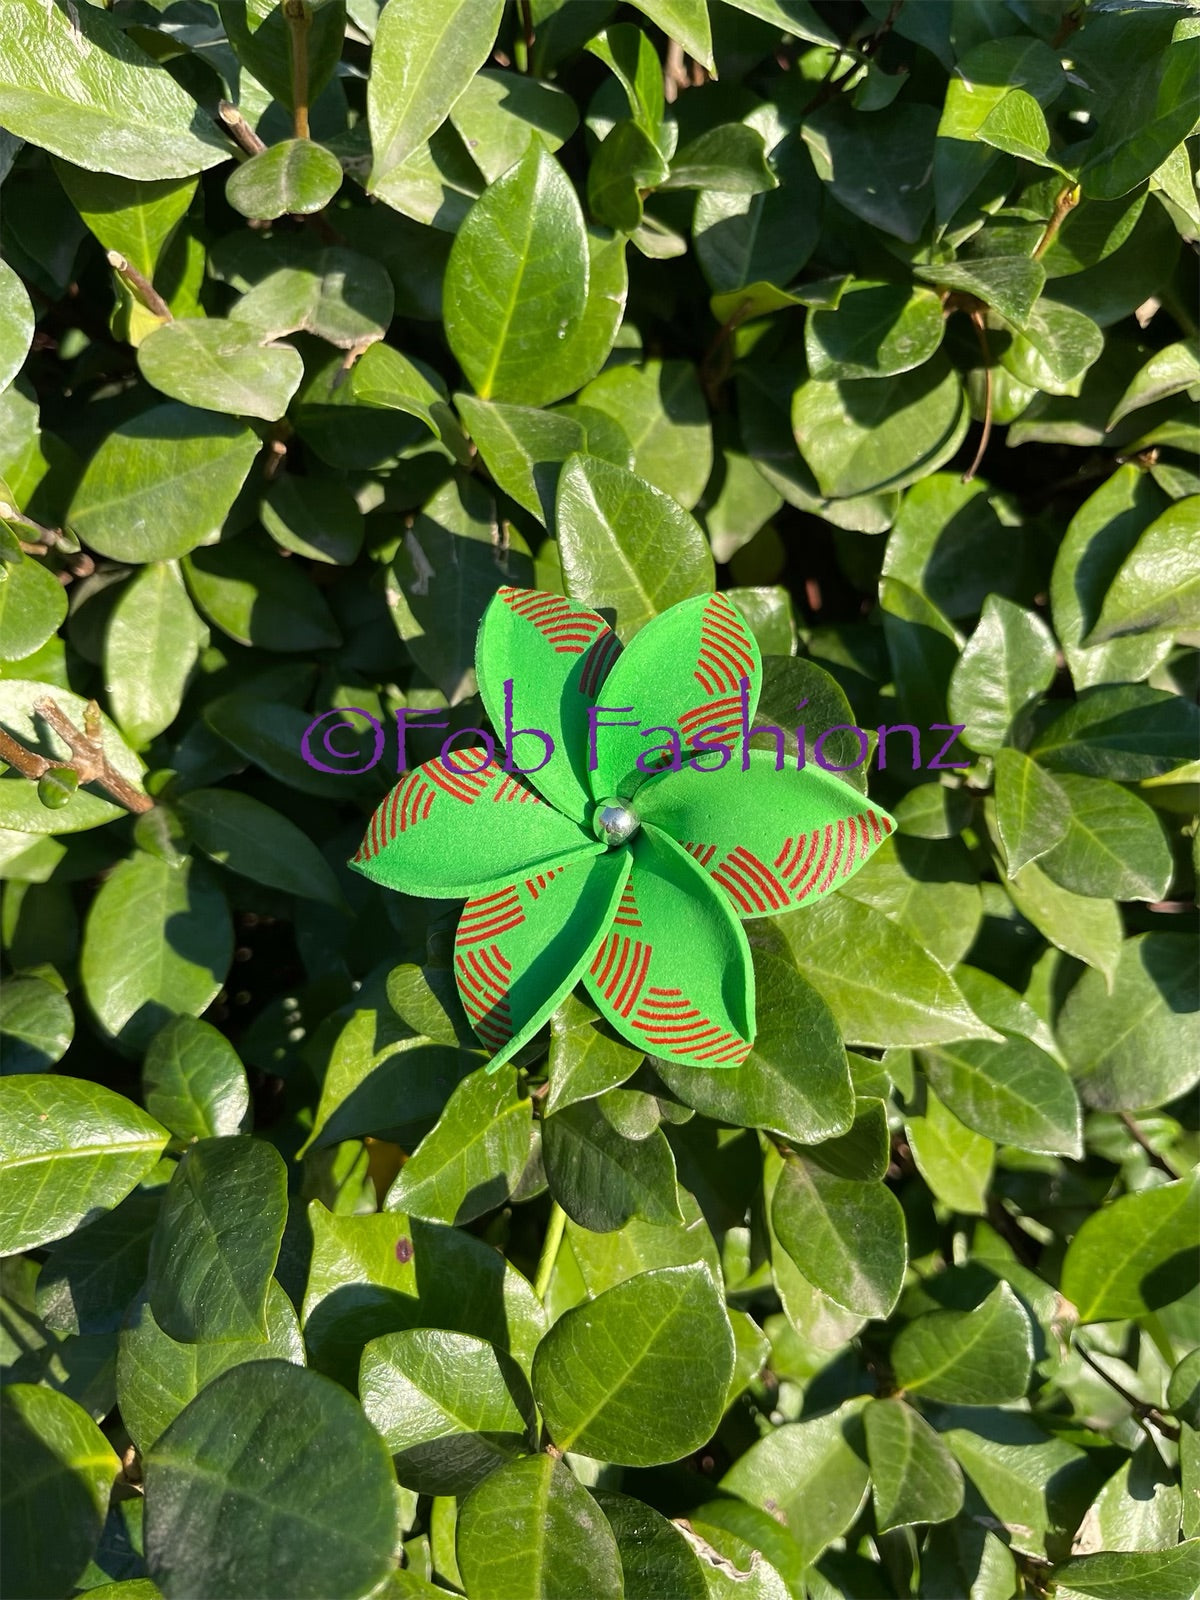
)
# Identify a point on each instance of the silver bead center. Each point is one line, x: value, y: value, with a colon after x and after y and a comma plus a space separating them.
x: 615, y: 822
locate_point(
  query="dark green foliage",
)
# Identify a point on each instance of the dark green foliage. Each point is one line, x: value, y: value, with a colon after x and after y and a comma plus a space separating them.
x: 320, y: 321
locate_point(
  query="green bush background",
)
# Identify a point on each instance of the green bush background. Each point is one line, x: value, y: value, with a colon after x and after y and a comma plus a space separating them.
x: 893, y: 303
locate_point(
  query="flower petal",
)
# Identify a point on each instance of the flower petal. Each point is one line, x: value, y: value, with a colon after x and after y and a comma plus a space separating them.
x: 445, y: 833
x: 556, y: 653
x: 519, y: 951
x: 673, y: 974
x: 769, y: 839
x: 683, y: 671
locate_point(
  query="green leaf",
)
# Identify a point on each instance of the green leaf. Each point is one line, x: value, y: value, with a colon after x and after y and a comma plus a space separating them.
x: 523, y: 448
x: 879, y: 167
x: 221, y: 366
x: 137, y: 219
x: 1145, y: 113
x: 193, y: 1081
x: 20, y: 807
x: 88, y: 1281
x: 955, y: 1163
x: 471, y: 1161
x: 1134, y: 1256
x: 151, y: 645
x: 1055, y: 347
x: 603, y: 1260
x: 626, y: 165
x: 1135, y: 1048
x: 809, y: 1475
x: 804, y: 1095
x: 426, y: 55
x: 731, y: 158
x: 517, y: 282
x: 450, y: 1408
x: 36, y: 1024
x: 259, y: 843
x: 530, y: 1530
x: 685, y: 21
x: 1171, y: 1574
x: 77, y: 86
x: 656, y: 1558
x: 259, y: 598
x: 914, y: 1478
x: 661, y: 410
x: 876, y: 331
x: 217, y: 1241
x: 294, y: 178
x: 157, y: 1376
x: 1017, y: 125
x: 602, y: 1374
x: 1183, y: 1390
x: 339, y: 295
x: 879, y: 433
x: 1168, y: 372
x: 1008, y: 662
x: 1099, y: 537
x: 157, y: 943
x: 162, y: 483
x: 585, y: 1060
x: 611, y: 524
x: 847, y: 1237
x: 755, y: 242
x: 271, y: 1478
x: 927, y: 890
x: 16, y: 325
x: 58, y: 1468
x: 1156, y: 585
x: 371, y: 1275
x: 68, y: 1151
x: 1126, y: 732
x: 1114, y: 846
x: 972, y: 1358
x: 500, y: 114
x: 33, y: 605
x: 314, y: 517
x: 1031, y: 809
x: 881, y: 986
x: 1010, y: 285
x: 1012, y: 1093
x: 603, y: 1179
x: 864, y: 1152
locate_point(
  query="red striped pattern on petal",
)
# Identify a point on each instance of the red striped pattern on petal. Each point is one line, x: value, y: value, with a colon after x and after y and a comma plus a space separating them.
x: 724, y: 655
x: 673, y: 1026
x: 484, y: 979
x: 814, y: 860
x: 569, y: 631
x: 619, y: 968
x: 489, y: 916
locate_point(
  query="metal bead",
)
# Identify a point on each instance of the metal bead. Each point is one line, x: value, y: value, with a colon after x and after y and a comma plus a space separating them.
x: 615, y: 822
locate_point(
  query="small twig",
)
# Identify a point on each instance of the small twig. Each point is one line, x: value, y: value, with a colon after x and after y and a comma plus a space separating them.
x: 524, y: 45
x: 139, y: 286
x: 299, y: 21
x: 985, y: 436
x: 88, y: 759
x: 675, y: 74
x: 1144, y: 1413
x: 554, y: 1233
x: 1139, y: 1137
x: 1066, y: 202
x: 240, y: 129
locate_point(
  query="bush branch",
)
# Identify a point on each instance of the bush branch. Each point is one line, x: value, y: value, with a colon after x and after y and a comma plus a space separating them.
x: 88, y: 759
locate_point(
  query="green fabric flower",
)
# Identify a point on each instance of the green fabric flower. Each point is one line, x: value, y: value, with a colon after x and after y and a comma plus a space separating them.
x: 634, y: 877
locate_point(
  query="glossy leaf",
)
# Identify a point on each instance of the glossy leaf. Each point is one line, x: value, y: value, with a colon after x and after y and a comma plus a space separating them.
x: 251, y: 839
x: 1007, y: 662
x: 1012, y: 1093
x: 221, y: 366
x: 217, y: 1240
x: 193, y: 1081
x: 294, y: 178
x: 150, y: 649
x: 449, y: 1407
x: 971, y: 1358
x: 70, y: 1150
x: 309, y: 1505
x: 162, y: 483
x: 36, y: 1024
x: 472, y: 1160
x: 1135, y: 1255
x: 846, y: 1236
x: 601, y: 1391
x: 914, y: 1478
x: 517, y: 281
x: 603, y: 1179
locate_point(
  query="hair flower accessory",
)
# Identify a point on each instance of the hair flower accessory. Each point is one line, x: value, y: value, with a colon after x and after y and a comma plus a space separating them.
x: 622, y: 843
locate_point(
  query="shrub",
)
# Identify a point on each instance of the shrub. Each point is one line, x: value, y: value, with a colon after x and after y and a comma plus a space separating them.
x: 320, y: 324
